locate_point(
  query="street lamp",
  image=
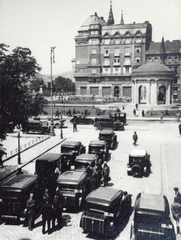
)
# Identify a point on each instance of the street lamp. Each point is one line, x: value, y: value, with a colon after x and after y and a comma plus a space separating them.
x: 19, y: 150
x: 61, y: 130
x: 52, y: 60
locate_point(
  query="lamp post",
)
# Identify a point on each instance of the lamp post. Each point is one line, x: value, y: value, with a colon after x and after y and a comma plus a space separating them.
x: 19, y: 150
x: 52, y: 60
x: 61, y: 130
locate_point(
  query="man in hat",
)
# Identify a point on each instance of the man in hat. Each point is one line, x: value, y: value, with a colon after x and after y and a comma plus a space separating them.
x: 177, y: 194
x: 135, y: 138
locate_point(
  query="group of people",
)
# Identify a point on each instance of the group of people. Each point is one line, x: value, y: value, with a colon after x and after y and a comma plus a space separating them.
x: 50, y: 211
x: 100, y: 172
x: 176, y: 209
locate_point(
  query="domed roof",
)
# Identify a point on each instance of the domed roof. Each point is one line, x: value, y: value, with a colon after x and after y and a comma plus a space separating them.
x: 152, y: 67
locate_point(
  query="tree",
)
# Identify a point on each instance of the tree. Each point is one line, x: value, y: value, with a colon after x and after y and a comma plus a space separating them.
x: 16, y: 102
x: 64, y: 84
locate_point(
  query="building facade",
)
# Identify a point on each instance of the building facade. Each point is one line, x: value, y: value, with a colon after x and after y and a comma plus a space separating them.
x: 107, y: 55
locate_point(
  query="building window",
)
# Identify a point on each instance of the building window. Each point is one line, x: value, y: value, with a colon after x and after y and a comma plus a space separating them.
x: 94, y: 32
x: 175, y: 80
x: 106, y: 41
x: 106, y: 52
x: 117, y: 41
x: 149, y: 59
x: 169, y: 59
x: 94, y: 41
x: 127, y: 51
x: 94, y: 70
x: 116, y: 60
x: 127, y: 40
x: 116, y: 52
x: 127, y: 70
x: 93, y: 51
x: 106, y: 61
x: 175, y: 89
x: 94, y: 61
x: 176, y: 59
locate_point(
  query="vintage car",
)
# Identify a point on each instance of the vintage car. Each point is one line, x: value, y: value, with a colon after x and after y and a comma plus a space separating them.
x: 35, y: 126
x: 83, y: 160
x: 104, y: 210
x: 139, y: 163
x: 72, y: 148
x: 82, y: 120
x: 15, y: 193
x: 73, y: 187
x: 118, y: 116
x: 108, y: 123
x: 109, y: 136
x: 152, y: 218
x: 100, y: 148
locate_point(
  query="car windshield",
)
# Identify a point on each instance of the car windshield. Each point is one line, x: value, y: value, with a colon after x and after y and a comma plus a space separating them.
x: 149, y: 218
x: 68, y: 149
x: 45, y: 166
x: 66, y: 187
x: 97, y: 207
x: 136, y: 159
x: 95, y: 148
x: 105, y: 136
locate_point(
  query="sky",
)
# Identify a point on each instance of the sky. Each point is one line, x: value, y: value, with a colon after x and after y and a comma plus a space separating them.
x: 42, y: 24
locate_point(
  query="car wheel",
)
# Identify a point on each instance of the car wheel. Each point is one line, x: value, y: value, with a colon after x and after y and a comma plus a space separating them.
x: 45, y: 124
x: 136, y: 170
x: 57, y: 125
x: 129, y: 173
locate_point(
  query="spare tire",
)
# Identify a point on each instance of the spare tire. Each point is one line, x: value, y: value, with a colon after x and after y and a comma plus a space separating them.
x: 136, y: 170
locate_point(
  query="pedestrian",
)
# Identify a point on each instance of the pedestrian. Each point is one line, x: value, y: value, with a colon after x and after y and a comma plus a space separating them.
x: 178, y: 117
x: 57, y: 113
x: 2, y: 153
x: 74, y: 124
x: 135, y: 138
x: 57, y: 210
x: 176, y: 213
x: 136, y: 105
x: 143, y: 113
x: 137, y: 113
x: 179, y: 127
x: 134, y: 112
x: 46, y: 212
x: 177, y: 194
x: 161, y: 117
x: 30, y: 212
x: 105, y: 174
x: 95, y: 175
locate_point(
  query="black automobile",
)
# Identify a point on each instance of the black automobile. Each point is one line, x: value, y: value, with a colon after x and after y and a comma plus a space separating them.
x: 104, y: 210
x: 73, y: 186
x: 100, y: 148
x: 35, y: 126
x: 110, y: 137
x: 118, y: 116
x: 72, y: 148
x: 152, y: 218
x: 82, y: 119
x: 139, y: 163
x: 15, y: 193
x: 83, y: 160
x: 108, y: 123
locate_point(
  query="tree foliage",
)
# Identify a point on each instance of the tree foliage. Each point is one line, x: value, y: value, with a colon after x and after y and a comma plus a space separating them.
x: 64, y: 84
x: 17, y: 104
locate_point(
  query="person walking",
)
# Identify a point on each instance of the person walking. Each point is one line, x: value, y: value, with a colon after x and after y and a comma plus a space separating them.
x: 105, y: 174
x: 2, y: 153
x: 30, y: 212
x: 57, y: 210
x: 161, y: 117
x: 57, y: 113
x: 74, y: 124
x: 135, y: 138
x: 46, y: 212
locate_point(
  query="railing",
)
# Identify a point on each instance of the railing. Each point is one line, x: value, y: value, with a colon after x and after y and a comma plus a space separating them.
x: 25, y: 146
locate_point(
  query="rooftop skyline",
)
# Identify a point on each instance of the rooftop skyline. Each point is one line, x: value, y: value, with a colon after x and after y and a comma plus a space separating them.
x: 42, y: 24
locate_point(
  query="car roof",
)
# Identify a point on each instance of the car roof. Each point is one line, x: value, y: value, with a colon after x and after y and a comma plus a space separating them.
x: 71, y: 177
x: 106, y: 131
x: 49, y: 157
x: 86, y: 157
x: 19, y: 181
x: 71, y: 143
x: 104, y: 196
x: 138, y: 152
x: 151, y: 202
x: 97, y: 142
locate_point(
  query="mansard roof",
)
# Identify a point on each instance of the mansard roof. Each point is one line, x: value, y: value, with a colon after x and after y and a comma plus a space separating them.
x: 170, y: 47
x: 92, y: 19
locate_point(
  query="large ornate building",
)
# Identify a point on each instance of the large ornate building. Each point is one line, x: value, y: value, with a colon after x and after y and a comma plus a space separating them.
x: 108, y: 55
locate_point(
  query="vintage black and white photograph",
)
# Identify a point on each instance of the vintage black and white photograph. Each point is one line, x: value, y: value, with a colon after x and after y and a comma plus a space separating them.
x: 90, y: 119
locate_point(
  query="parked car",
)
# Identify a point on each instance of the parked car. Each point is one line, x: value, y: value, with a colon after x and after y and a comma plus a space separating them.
x: 15, y: 193
x: 152, y: 218
x: 139, y: 163
x: 73, y: 187
x: 100, y: 148
x: 83, y: 160
x: 104, y: 210
x: 108, y: 123
x: 82, y: 120
x: 35, y: 126
x: 73, y: 148
x: 57, y: 122
x: 109, y: 136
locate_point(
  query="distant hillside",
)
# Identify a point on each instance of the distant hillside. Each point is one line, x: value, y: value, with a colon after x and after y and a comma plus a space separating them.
x: 46, y: 78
